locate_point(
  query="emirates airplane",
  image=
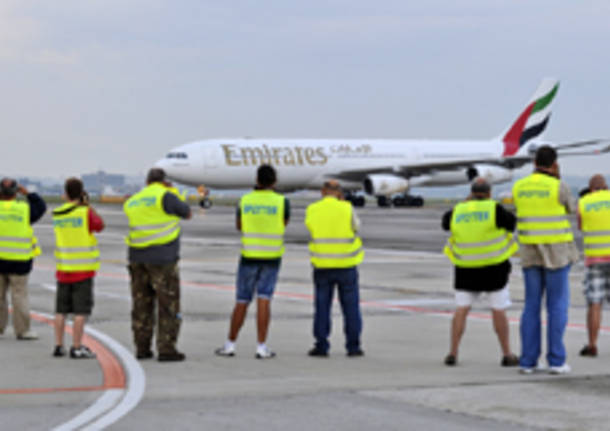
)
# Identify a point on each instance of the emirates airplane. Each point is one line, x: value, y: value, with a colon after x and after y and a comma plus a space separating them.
x: 384, y: 168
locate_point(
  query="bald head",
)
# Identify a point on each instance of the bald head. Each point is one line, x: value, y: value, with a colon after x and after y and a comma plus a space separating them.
x: 332, y: 188
x: 480, y: 188
x: 597, y: 182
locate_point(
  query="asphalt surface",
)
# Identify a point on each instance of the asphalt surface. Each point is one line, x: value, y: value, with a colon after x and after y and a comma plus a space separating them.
x: 400, y: 383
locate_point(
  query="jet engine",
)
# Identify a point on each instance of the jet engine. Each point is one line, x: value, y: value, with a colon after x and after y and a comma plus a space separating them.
x: 385, y: 184
x: 493, y: 174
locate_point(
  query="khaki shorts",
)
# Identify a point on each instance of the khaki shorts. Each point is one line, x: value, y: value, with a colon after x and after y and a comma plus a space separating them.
x: 498, y: 300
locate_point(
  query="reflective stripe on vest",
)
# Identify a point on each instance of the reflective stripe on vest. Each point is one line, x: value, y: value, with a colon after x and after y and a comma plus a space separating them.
x: 334, y: 244
x: 594, y: 210
x: 262, y: 224
x: 149, y: 224
x: 76, y: 248
x: 17, y: 241
x: 475, y: 240
x: 541, y: 218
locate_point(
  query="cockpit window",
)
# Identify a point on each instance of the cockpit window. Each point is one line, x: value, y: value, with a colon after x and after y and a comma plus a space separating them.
x: 177, y: 156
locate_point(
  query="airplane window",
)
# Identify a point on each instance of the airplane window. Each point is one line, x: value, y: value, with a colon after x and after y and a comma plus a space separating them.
x: 177, y: 156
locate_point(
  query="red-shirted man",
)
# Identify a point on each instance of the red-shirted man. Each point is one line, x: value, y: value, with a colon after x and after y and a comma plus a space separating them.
x: 77, y: 259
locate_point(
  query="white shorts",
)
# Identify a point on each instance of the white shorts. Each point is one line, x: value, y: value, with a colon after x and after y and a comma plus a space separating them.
x: 498, y: 300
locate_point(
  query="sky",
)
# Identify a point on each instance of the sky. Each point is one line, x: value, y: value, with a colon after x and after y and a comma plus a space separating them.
x: 114, y: 84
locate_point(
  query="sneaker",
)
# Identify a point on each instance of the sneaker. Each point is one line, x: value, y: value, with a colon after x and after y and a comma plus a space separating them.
x: 318, y: 353
x: 83, y: 352
x: 29, y: 335
x: 264, y: 353
x: 450, y: 360
x: 561, y: 369
x: 531, y: 370
x: 510, y: 361
x: 171, y: 357
x: 590, y: 351
x: 355, y: 353
x: 59, y: 351
x: 224, y: 351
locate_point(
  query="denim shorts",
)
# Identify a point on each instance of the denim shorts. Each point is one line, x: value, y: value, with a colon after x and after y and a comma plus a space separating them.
x: 256, y: 277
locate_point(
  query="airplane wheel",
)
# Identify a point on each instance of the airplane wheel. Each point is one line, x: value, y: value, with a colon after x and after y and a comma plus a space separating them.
x: 358, y: 201
x: 205, y: 203
x: 383, y: 201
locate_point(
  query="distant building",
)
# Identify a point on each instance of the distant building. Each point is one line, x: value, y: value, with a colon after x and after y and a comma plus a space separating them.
x: 97, y: 182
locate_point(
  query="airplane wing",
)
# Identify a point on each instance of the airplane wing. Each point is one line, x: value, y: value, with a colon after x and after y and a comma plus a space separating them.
x: 513, y: 162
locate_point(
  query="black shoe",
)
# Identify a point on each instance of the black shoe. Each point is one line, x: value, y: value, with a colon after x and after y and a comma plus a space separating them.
x: 355, y: 353
x: 510, y: 361
x: 450, y: 360
x: 589, y: 351
x: 318, y: 352
x: 59, y: 351
x: 83, y: 352
x: 144, y: 354
x: 171, y: 357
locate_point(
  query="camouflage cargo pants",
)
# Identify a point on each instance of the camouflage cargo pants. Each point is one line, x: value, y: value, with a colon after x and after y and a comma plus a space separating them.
x: 159, y: 285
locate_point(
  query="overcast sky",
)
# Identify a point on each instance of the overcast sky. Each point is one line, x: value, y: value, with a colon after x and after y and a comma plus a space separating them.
x: 114, y: 84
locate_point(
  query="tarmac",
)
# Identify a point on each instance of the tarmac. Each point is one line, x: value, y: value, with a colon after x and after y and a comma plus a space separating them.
x: 400, y: 383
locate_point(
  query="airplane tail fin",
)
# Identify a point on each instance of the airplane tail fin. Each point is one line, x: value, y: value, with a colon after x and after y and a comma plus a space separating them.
x: 533, y: 120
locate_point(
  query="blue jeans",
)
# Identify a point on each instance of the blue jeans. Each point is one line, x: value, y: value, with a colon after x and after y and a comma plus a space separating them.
x: 256, y: 278
x: 346, y: 281
x: 555, y: 283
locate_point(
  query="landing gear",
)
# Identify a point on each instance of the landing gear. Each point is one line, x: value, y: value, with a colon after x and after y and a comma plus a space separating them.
x: 205, y: 203
x: 384, y: 201
x: 356, y: 200
x: 405, y: 200
x: 400, y: 200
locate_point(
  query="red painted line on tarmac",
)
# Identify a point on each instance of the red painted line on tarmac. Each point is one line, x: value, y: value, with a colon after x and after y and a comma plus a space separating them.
x: 374, y: 304
x: 112, y: 370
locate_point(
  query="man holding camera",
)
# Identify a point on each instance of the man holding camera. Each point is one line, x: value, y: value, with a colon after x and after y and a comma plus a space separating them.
x: 154, y: 215
x: 17, y: 250
x: 77, y: 258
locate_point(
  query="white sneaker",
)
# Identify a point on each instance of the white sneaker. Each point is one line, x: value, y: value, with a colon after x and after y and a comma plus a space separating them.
x: 561, y: 369
x: 531, y: 370
x: 264, y: 353
x: 225, y: 351
x: 29, y: 335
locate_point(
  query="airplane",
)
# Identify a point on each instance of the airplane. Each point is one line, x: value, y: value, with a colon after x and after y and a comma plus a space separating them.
x: 384, y: 168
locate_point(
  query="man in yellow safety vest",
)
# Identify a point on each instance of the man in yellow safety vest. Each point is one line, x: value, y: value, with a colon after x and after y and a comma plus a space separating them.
x: 261, y: 217
x: 336, y: 251
x: 154, y: 215
x: 18, y: 248
x: 77, y: 258
x: 594, y: 221
x: 548, y: 250
x: 480, y: 247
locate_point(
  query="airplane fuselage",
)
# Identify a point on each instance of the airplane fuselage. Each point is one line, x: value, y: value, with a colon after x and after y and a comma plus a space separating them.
x: 307, y: 163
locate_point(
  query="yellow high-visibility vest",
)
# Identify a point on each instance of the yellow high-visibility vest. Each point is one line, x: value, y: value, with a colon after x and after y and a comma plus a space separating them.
x: 541, y: 218
x: 475, y: 239
x: 262, y: 224
x: 76, y: 248
x: 149, y: 224
x: 334, y: 244
x: 594, y: 210
x: 17, y: 240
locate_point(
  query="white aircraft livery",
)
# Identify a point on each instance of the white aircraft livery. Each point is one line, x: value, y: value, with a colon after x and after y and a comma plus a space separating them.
x: 380, y: 167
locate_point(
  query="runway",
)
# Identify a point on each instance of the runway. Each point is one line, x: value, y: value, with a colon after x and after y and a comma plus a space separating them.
x: 401, y: 383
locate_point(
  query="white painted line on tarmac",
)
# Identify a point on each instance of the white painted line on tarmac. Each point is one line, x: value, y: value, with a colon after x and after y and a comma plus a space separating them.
x: 104, y: 403
x: 105, y: 410
x: 136, y: 382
